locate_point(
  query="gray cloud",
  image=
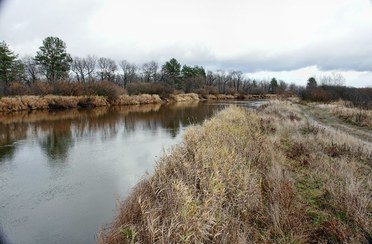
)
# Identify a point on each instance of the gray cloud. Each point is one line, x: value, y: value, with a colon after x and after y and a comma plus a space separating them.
x: 23, y: 24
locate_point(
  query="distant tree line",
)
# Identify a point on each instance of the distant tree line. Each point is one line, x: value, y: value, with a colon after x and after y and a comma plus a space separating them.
x: 53, y: 65
x: 331, y: 88
x: 53, y: 71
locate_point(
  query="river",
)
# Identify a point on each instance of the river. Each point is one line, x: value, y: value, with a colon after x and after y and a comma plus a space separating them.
x: 63, y: 172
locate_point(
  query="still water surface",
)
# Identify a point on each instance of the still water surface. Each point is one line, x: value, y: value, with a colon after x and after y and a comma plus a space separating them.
x: 62, y: 172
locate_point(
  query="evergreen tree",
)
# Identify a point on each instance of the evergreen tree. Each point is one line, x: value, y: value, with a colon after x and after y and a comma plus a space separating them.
x: 53, y: 58
x: 172, y: 71
x: 273, y: 85
x: 311, y: 83
x: 8, y: 64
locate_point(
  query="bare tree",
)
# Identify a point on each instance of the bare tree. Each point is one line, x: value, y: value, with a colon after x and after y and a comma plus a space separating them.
x: 78, y: 67
x: 237, y: 79
x: 90, y: 65
x: 150, y: 71
x: 84, y: 68
x: 210, y: 79
x: 31, y: 69
x: 335, y: 79
x: 107, y: 68
x: 129, y: 72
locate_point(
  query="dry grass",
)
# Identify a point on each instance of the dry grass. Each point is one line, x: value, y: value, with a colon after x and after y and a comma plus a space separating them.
x: 188, y: 97
x: 246, y: 176
x: 136, y: 100
x: 23, y: 103
x: 353, y: 115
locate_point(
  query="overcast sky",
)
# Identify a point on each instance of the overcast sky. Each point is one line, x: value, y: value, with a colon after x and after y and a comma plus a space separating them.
x: 288, y: 39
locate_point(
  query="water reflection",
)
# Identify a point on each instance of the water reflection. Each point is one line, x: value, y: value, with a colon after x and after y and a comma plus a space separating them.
x: 57, y: 131
x: 57, y: 142
x: 9, y: 135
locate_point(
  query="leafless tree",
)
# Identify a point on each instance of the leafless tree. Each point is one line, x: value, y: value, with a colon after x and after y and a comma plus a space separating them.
x: 335, y: 79
x: 150, y: 71
x: 107, y: 68
x: 129, y: 72
x: 90, y: 65
x: 210, y: 79
x: 84, y: 68
x: 237, y: 80
x: 32, y: 71
x: 78, y: 67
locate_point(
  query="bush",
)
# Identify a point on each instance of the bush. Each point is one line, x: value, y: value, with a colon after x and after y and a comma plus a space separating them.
x: 149, y: 88
x: 207, y: 90
x: 105, y: 88
x: 360, y: 97
x: 66, y: 88
x: 17, y: 88
x: 41, y: 88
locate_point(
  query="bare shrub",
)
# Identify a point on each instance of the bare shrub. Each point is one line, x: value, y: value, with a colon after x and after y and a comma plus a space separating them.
x: 105, y: 88
x: 41, y: 88
x: 149, y: 88
x: 66, y: 88
x: 17, y: 88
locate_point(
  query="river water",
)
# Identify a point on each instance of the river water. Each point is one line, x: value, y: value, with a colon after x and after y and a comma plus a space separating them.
x: 62, y: 172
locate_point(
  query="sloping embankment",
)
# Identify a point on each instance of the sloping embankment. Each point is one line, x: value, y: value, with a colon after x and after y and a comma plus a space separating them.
x: 245, y: 176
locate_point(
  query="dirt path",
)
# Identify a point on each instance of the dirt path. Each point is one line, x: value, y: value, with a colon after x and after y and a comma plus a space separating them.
x: 326, y: 119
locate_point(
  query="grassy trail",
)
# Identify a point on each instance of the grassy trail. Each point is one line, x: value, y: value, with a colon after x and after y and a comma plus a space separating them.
x: 325, y: 118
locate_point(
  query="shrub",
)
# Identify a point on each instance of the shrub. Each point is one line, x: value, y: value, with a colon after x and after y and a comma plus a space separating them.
x: 17, y: 88
x: 105, y: 88
x: 41, y: 88
x: 66, y: 88
x: 361, y: 97
x: 149, y: 88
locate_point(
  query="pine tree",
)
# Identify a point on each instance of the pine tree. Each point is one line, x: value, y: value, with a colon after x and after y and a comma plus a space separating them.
x: 7, y: 64
x: 54, y: 60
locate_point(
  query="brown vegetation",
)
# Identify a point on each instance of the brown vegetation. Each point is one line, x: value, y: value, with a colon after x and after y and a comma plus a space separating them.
x: 237, y: 96
x: 21, y: 103
x: 349, y: 113
x: 359, y: 97
x: 253, y: 176
x: 188, y: 97
x: 136, y: 100
x: 66, y: 88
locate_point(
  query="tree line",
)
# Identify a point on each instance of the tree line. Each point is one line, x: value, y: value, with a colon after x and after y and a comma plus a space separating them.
x: 331, y: 88
x: 53, y: 70
x: 53, y: 64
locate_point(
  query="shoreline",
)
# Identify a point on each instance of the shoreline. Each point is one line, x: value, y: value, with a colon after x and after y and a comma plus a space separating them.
x: 56, y: 102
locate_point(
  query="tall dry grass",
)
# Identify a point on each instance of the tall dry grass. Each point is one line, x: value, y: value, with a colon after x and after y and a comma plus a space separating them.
x: 354, y: 115
x: 24, y: 103
x: 253, y: 176
x: 188, y: 97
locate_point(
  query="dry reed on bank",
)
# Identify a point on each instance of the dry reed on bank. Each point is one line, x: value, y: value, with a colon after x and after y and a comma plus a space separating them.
x: 245, y: 176
x: 188, y: 97
x: 22, y: 103
x: 136, y: 100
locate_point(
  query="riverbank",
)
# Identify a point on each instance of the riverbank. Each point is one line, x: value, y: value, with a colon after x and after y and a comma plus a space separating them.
x: 253, y: 176
x: 28, y: 103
